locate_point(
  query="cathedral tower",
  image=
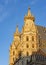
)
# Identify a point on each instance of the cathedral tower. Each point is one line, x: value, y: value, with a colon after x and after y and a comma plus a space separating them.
x: 28, y: 42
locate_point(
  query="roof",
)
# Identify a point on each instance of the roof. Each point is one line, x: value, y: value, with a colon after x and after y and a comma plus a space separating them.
x: 39, y: 52
x: 41, y: 32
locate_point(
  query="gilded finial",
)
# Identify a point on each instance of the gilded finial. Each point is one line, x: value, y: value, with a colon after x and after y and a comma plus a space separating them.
x: 29, y: 13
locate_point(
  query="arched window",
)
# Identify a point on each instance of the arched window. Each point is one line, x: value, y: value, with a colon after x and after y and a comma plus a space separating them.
x: 27, y: 45
x: 20, y: 54
x: 32, y: 38
x: 27, y: 54
x: 27, y: 62
x: 13, y: 53
x: 27, y: 38
x: 32, y: 45
x: 13, y: 59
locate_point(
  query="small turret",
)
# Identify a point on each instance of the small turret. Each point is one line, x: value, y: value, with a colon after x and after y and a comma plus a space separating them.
x: 17, y: 32
x: 28, y: 21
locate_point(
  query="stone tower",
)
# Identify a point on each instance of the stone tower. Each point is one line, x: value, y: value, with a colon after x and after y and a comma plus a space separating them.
x: 30, y: 42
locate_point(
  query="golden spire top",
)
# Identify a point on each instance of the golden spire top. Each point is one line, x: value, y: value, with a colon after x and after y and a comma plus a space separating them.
x: 29, y: 13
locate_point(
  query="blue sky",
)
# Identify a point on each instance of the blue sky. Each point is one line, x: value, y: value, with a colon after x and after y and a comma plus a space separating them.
x: 11, y: 14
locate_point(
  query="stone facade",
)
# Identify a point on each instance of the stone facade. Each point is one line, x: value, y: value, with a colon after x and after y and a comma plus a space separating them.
x: 31, y: 39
